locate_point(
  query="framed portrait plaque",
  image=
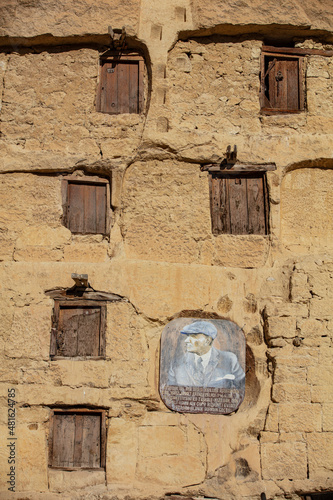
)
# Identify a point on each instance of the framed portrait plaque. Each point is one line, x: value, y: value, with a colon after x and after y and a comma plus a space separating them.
x: 202, y: 366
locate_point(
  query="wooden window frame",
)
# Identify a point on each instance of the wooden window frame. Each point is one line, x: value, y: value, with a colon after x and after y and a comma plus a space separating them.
x: 103, y: 432
x: 282, y: 54
x: 234, y: 171
x: 86, y: 180
x: 58, y: 305
x: 115, y: 57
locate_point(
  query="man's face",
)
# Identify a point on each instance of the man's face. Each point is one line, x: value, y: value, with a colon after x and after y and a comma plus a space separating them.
x: 198, y: 343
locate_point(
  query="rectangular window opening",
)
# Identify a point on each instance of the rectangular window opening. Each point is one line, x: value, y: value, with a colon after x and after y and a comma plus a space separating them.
x: 77, y: 439
x: 239, y: 203
x: 78, y: 330
x: 121, y: 84
x: 282, y: 82
x: 86, y: 205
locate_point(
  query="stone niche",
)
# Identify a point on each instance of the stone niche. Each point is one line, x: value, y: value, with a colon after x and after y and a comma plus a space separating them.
x: 306, y: 209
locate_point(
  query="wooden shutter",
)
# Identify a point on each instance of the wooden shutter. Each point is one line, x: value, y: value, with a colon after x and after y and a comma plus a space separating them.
x: 282, y: 81
x: 284, y: 84
x: 86, y: 208
x: 76, y: 440
x: 239, y: 204
x: 120, y: 87
x: 79, y: 331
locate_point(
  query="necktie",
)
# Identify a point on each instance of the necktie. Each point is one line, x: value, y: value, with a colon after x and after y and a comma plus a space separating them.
x: 200, y: 369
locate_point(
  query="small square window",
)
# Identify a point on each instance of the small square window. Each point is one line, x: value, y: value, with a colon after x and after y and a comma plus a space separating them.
x: 77, y: 439
x: 78, y: 329
x: 121, y: 84
x: 239, y: 203
x: 85, y: 205
x: 282, y: 81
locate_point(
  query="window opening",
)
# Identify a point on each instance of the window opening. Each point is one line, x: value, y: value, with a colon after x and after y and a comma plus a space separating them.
x: 77, y: 439
x: 121, y: 84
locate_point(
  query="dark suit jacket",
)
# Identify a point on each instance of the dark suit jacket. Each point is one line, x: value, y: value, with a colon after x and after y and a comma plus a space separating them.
x: 223, y: 370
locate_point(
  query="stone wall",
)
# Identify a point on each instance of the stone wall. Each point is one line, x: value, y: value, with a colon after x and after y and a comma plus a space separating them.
x: 201, y: 95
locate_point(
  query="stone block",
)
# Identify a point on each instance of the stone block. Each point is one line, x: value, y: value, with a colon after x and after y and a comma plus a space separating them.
x: 321, y: 375
x: 30, y: 333
x: 272, y: 419
x: 300, y: 289
x: 31, y: 459
x: 240, y: 251
x: 320, y: 451
x: 321, y: 284
x: 281, y: 327
x: 47, y: 237
x: 77, y: 373
x: 297, y: 310
x: 269, y: 437
x: 86, y: 253
x: 328, y: 417
x: 291, y: 393
x: 122, y: 449
x: 38, y: 254
x: 63, y: 481
x: 301, y: 417
x: 284, y: 460
x: 285, y: 374
x: 321, y: 309
x: 171, y: 441
x: 322, y: 393
x: 172, y: 470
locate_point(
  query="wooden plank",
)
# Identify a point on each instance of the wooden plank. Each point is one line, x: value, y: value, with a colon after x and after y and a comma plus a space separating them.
x: 102, y: 331
x: 215, y: 204
x: 88, y: 332
x: 110, y: 103
x: 103, y: 439
x: 91, y: 441
x: 237, y: 194
x: 297, y: 51
x: 236, y: 168
x: 262, y: 80
x: 301, y: 83
x: 123, y: 87
x: 89, y: 209
x: 68, y: 331
x: 75, y: 200
x: 100, y: 208
x: 292, y: 84
x: 78, y: 440
x: 133, y: 91
x: 63, y: 440
x: 256, y: 206
x: 141, y: 85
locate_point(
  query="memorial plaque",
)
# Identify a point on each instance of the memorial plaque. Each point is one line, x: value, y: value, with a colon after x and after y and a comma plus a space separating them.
x: 202, y: 366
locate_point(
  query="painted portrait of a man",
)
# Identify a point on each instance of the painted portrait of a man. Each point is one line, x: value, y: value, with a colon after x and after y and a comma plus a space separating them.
x: 202, y: 364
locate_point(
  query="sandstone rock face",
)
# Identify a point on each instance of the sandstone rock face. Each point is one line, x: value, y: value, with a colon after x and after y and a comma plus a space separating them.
x: 159, y: 253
